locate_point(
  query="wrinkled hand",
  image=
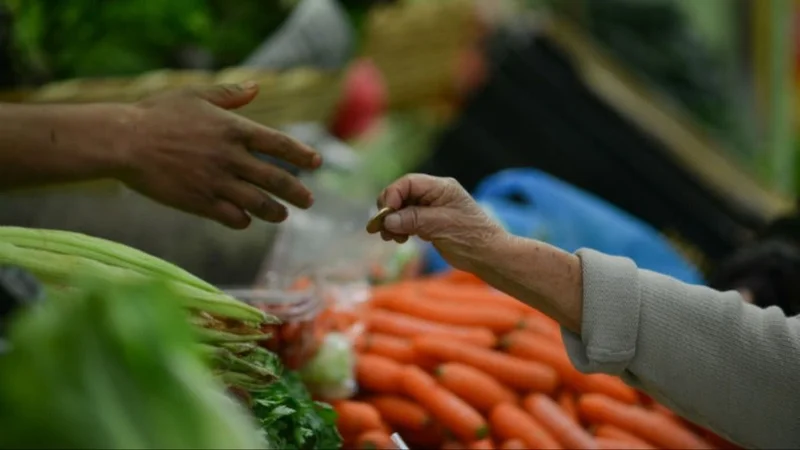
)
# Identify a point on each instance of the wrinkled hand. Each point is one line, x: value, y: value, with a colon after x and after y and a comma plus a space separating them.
x: 189, y: 152
x: 440, y: 211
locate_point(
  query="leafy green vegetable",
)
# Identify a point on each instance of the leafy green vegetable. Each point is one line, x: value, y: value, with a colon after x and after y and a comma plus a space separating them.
x: 114, y: 367
x: 85, y: 38
x: 291, y: 419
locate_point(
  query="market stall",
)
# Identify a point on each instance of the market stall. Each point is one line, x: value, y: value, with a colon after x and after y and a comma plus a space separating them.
x: 444, y: 362
x: 175, y: 333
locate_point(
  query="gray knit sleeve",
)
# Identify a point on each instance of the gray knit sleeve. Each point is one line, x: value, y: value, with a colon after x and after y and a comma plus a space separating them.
x: 722, y: 363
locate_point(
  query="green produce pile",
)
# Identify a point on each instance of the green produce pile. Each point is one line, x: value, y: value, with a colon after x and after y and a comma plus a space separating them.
x: 291, y: 419
x: 95, y: 346
x: 114, y: 367
x: 85, y: 38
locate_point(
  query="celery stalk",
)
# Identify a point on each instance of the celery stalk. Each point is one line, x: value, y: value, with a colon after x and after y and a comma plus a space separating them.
x: 102, y: 250
x: 59, y: 269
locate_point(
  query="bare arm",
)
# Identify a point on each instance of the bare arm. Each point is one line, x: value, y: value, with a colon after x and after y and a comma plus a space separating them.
x: 709, y: 355
x: 714, y: 358
x: 537, y: 274
x: 184, y: 149
x: 43, y: 144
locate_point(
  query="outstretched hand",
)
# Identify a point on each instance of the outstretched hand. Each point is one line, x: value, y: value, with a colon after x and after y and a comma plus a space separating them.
x: 441, y: 211
x: 189, y: 151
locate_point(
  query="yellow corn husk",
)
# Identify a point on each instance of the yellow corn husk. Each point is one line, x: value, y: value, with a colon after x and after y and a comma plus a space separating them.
x: 58, y: 269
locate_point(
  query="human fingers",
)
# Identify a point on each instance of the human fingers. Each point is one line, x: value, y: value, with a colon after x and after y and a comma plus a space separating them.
x: 227, y: 96
x: 414, y: 189
x: 272, y: 179
x: 228, y: 214
x: 420, y: 221
x: 256, y: 202
x: 389, y: 236
x: 259, y: 138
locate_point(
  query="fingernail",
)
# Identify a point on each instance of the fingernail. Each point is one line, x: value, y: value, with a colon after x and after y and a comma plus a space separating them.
x: 248, y: 85
x: 392, y: 223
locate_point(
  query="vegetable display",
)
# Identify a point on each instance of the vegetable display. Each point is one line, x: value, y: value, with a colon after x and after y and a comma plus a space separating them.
x: 115, y: 361
x: 114, y: 366
x: 229, y: 329
x: 225, y: 331
x: 447, y: 362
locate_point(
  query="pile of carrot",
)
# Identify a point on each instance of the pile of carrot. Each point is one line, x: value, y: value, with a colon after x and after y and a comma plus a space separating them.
x: 447, y: 362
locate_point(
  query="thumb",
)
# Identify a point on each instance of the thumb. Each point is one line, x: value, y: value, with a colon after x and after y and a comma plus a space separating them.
x: 412, y: 220
x: 230, y: 96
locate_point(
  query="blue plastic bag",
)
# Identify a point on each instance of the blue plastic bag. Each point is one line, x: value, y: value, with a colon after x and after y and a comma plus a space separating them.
x: 533, y: 204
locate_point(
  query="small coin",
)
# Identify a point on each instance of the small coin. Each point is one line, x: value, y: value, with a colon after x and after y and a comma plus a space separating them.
x: 375, y: 224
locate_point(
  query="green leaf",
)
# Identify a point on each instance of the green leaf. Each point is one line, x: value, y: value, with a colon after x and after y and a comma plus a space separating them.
x: 291, y: 419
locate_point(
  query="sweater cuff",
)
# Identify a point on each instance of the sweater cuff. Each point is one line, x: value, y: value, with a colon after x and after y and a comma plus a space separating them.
x: 610, y: 324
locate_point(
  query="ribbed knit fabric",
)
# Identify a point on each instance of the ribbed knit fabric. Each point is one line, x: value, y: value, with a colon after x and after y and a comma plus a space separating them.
x: 714, y: 359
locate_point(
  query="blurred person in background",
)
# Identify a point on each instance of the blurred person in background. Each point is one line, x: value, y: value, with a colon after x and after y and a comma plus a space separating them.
x: 182, y: 148
x: 767, y: 271
x: 719, y: 361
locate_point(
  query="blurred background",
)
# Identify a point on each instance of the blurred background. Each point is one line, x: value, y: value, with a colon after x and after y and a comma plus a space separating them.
x: 663, y: 130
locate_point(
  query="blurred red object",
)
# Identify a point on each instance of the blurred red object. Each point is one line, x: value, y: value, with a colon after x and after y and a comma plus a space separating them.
x: 472, y: 71
x: 363, y: 102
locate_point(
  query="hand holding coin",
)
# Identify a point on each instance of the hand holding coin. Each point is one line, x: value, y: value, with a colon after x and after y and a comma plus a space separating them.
x: 375, y: 224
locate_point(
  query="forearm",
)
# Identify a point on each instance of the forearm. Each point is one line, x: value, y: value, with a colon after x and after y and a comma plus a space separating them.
x: 44, y: 144
x: 712, y: 357
x: 538, y: 274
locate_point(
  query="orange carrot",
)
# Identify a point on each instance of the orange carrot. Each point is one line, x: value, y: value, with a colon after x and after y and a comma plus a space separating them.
x: 719, y: 442
x: 354, y: 418
x: 547, y: 412
x: 360, y: 342
x: 616, y: 444
x: 666, y: 412
x: 374, y: 440
x: 481, y: 296
x: 542, y: 326
x: 452, y: 445
x: 652, y: 427
x: 473, y: 386
x: 388, y: 293
x: 617, y: 434
x: 567, y: 402
x: 407, y: 326
x: 495, y: 319
x: 400, y: 412
x: 645, y: 399
x: 393, y: 347
x: 513, y: 444
x: 458, y: 277
x: 483, y: 444
x: 455, y: 414
x: 510, y: 422
x: 430, y: 437
x: 532, y: 347
x: 513, y: 372
x: 378, y: 374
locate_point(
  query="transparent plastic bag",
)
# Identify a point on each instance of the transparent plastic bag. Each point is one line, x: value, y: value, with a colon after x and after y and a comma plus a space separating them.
x: 300, y: 307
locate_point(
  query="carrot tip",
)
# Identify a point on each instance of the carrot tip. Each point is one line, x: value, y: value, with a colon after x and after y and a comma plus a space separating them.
x: 504, y: 342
